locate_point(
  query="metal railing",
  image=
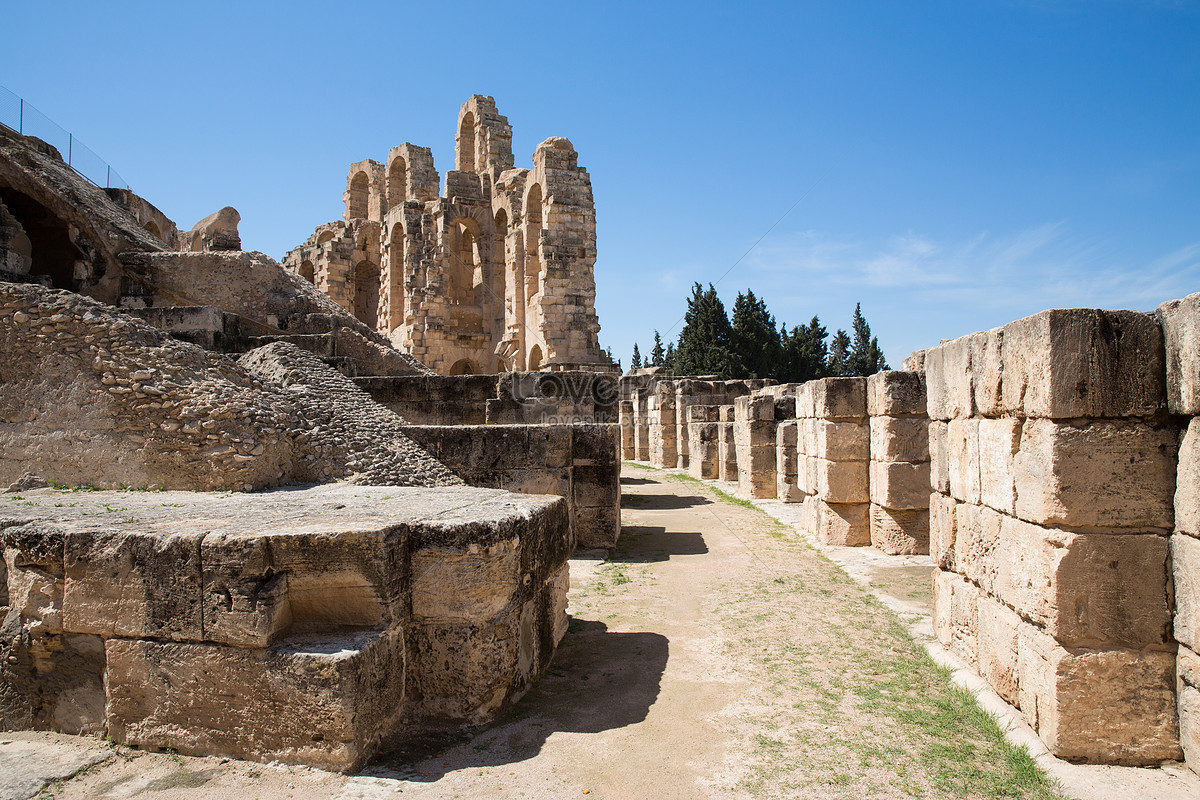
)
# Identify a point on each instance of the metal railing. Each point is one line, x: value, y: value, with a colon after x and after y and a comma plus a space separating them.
x: 22, y: 117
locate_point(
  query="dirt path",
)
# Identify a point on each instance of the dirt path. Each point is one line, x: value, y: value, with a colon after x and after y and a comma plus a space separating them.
x: 714, y: 655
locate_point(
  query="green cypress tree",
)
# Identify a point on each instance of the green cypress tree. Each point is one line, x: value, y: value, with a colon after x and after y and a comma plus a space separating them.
x: 866, y: 357
x: 636, y: 361
x: 838, y: 361
x: 753, y: 339
x: 656, y: 352
x: 704, y: 342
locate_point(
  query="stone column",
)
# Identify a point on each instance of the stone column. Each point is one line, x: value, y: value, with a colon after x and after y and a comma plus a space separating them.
x: 726, y: 446
x: 899, y: 463
x: 835, y: 478
x: 661, y: 412
x: 754, y: 439
x: 702, y: 441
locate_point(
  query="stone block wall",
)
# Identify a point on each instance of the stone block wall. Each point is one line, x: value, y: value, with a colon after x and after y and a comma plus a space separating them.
x: 755, y: 419
x: 833, y: 460
x: 727, y: 468
x: 581, y: 463
x: 1053, y: 470
x: 1181, y: 328
x: 787, y: 462
x: 702, y: 441
x: 661, y: 425
x: 899, y: 479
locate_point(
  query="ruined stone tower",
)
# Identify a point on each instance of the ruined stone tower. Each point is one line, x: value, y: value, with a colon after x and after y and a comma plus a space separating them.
x: 494, y: 275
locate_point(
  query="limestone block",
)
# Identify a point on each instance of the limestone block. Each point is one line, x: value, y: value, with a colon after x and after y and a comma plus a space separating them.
x: 894, y: 393
x: 900, y: 532
x: 1111, y: 706
x: 756, y: 472
x: 806, y: 436
x: 245, y: 593
x: 322, y: 701
x: 805, y: 409
x: 986, y: 372
x: 1181, y: 332
x: 976, y: 542
x: 596, y: 485
x: 914, y: 362
x: 450, y: 585
x: 1086, y: 590
x: 702, y: 449
x: 842, y: 441
x: 942, y: 531
x: 727, y: 413
x: 754, y: 408
x: 899, y: 438
x: 1188, y: 691
x: 843, y: 481
x: 1185, y: 566
x: 900, y: 485
x: 839, y: 398
x: 806, y: 475
x: 998, y: 442
x: 1187, y: 484
x: 962, y: 445
x: 999, y: 632
x: 787, y: 462
x: 1098, y: 474
x: 948, y: 379
x: 956, y: 615
x: 1071, y: 363
x: 939, y: 456
x: 842, y: 524
x: 726, y: 453
x: 120, y: 583
x: 597, y: 527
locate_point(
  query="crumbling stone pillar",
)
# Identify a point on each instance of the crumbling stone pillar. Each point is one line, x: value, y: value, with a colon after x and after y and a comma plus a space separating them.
x: 899, y: 463
x: 1181, y: 328
x: 1053, y: 469
x: 787, y: 457
x: 661, y: 411
x: 835, y: 476
x: 641, y: 425
x: 626, y: 418
x: 726, y: 445
x: 755, y: 418
x: 703, y: 431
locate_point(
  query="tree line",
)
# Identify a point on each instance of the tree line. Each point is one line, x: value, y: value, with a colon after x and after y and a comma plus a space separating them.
x: 751, y: 346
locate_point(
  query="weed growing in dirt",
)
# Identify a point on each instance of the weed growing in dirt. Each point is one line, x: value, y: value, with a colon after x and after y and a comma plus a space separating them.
x: 635, y: 465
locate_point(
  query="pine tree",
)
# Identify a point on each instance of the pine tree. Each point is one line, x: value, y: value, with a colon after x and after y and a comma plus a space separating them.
x: 804, y: 353
x: 656, y: 353
x: 636, y: 361
x: 704, y: 342
x: 668, y: 361
x: 753, y: 340
x: 838, y: 361
x: 865, y: 357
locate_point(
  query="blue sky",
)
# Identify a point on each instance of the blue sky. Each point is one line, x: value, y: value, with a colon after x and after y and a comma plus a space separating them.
x: 957, y: 164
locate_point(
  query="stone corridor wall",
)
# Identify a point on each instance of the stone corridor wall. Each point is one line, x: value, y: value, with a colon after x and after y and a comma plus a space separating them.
x: 899, y: 463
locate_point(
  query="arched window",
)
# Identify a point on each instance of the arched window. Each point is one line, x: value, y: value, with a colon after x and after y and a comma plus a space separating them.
x: 396, y: 267
x: 397, y: 183
x: 464, y: 269
x: 464, y: 366
x: 466, y: 143
x: 151, y: 228
x: 365, y: 302
x: 326, y: 236
x: 535, y: 358
x: 533, y: 231
x: 500, y: 263
x: 307, y: 272
x: 359, y: 194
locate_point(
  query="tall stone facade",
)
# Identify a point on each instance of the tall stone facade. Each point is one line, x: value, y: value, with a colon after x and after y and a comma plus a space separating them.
x: 495, y: 275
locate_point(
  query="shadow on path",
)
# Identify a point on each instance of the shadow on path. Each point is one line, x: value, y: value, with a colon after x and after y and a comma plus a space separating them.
x: 642, y: 544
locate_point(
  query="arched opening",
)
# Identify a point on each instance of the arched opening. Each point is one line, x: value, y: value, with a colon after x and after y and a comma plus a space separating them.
x: 326, y: 236
x: 466, y: 275
x: 46, y: 246
x: 500, y: 268
x: 533, y: 231
x: 535, y: 358
x: 307, y: 272
x: 396, y: 268
x: 365, y: 302
x: 397, y: 185
x: 152, y: 228
x: 198, y: 242
x: 359, y: 195
x: 464, y: 366
x: 466, y: 143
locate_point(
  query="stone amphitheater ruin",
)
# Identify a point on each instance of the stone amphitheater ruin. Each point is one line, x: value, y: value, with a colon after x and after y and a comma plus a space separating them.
x: 374, y: 461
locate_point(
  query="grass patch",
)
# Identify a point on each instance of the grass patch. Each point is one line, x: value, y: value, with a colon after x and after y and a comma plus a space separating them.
x: 737, y: 501
x: 636, y: 465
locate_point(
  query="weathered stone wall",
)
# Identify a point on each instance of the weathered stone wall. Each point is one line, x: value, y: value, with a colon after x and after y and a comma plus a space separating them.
x: 662, y: 426
x: 531, y: 398
x: 497, y: 275
x: 755, y: 418
x: 834, y: 437
x: 899, y: 462
x: 703, y: 436
x: 578, y: 462
x: 705, y: 392
x: 1053, y: 473
x: 304, y: 626
x: 1181, y: 328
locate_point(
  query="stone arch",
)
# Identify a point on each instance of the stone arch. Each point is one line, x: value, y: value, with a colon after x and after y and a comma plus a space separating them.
x: 466, y: 143
x: 397, y: 183
x: 465, y: 270
x: 464, y: 366
x: 151, y: 227
x: 308, y: 272
x: 360, y: 193
x: 325, y: 236
x: 396, y: 269
x: 535, y: 358
x: 198, y: 242
x: 533, y: 231
x: 365, y: 299
x: 47, y: 246
x: 500, y: 262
